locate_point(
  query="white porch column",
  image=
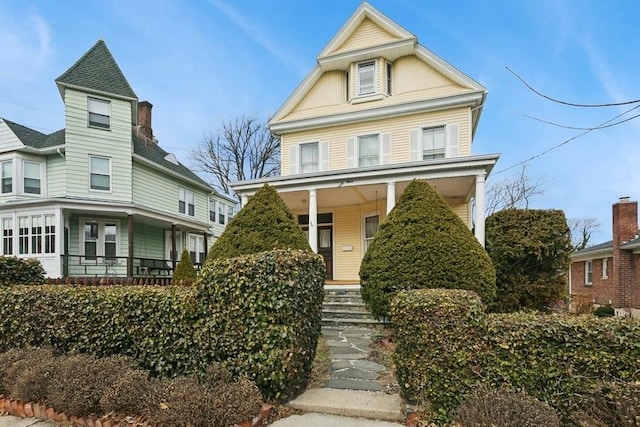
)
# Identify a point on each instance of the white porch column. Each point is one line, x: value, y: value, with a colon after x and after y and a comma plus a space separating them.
x: 243, y: 201
x: 391, y: 196
x: 480, y: 190
x: 313, y: 220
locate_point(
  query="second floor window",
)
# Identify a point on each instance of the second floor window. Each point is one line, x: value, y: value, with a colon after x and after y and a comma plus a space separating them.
x: 99, y: 113
x: 100, y: 173
x: 7, y: 177
x: 433, y: 143
x: 366, y: 78
x: 212, y: 210
x: 368, y: 150
x: 309, y: 157
x: 31, y: 171
x: 221, y: 213
x: 186, y: 202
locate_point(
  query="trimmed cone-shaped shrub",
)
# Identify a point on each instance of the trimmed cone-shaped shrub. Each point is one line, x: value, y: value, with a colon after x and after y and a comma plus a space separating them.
x: 264, y: 224
x: 423, y: 244
x: 185, y: 272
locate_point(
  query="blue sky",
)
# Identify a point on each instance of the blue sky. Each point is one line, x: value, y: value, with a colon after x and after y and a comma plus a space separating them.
x: 202, y: 62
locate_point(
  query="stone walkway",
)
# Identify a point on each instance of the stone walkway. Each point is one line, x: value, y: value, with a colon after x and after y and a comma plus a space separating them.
x: 349, y: 347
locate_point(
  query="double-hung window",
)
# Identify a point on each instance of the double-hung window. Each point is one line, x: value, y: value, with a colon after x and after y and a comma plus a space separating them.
x: 588, y: 272
x: 36, y: 234
x: 23, y: 235
x: 371, y: 223
x: 309, y: 157
x: 49, y: 234
x: 196, y: 248
x: 100, y: 173
x: 368, y: 150
x: 366, y: 78
x: 212, y: 210
x: 90, y: 240
x: 7, y: 236
x: 186, y: 202
x: 99, y: 113
x: 605, y: 269
x: 7, y: 177
x: 100, y: 239
x: 31, y: 179
x: 110, y: 241
x: 433, y: 143
x: 221, y: 213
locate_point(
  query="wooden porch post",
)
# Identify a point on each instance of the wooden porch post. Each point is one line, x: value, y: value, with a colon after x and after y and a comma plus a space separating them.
x: 130, y: 255
x: 173, y: 247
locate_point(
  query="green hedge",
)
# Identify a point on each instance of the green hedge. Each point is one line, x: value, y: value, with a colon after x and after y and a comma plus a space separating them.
x: 257, y: 315
x: 263, y: 316
x: 550, y: 357
x: 19, y: 271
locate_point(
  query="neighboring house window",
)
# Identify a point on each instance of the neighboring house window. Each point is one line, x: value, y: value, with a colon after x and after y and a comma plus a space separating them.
x: 230, y: 213
x: 31, y: 171
x: 368, y: 150
x: 49, y: 234
x: 186, y: 202
x: 433, y: 141
x: 100, y: 239
x: 99, y: 113
x: 605, y: 268
x: 212, y: 210
x: 23, y: 235
x: 100, y: 173
x: 221, y: 216
x: 7, y: 177
x: 7, y: 236
x: 389, y: 70
x: 371, y: 223
x: 366, y: 77
x: 196, y: 248
x: 309, y: 157
x: 588, y: 272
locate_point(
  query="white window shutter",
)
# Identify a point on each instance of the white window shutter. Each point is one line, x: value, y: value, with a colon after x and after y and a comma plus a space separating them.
x: 294, y: 151
x: 414, y: 145
x: 351, y: 152
x: 324, y: 155
x: 453, y: 141
x: 386, y: 149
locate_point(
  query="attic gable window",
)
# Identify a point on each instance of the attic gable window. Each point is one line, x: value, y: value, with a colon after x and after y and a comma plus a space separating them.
x: 366, y: 78
x: 99, y: 113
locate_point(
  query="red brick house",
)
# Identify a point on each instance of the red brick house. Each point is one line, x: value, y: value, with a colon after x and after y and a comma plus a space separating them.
x: 609, y: 273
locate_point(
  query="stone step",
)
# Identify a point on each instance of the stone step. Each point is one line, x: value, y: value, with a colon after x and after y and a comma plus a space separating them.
x: 344, y: 304
x: 351, y: 403
x: 346, y: 314
x: 349, y: 322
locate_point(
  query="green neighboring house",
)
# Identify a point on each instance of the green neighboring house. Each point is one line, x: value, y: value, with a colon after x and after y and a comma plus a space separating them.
x: 101, y: 193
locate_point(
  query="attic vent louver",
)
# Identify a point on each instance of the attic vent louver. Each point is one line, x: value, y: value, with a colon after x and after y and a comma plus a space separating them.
x: 171, y: 158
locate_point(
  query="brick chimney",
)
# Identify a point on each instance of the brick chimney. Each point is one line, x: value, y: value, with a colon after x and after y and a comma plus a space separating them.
x: 625, y: 228
x: 144, y: 119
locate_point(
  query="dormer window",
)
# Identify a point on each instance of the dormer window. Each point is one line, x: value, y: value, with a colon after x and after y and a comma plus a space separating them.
x: 99, y: 113
x: 366, y: 78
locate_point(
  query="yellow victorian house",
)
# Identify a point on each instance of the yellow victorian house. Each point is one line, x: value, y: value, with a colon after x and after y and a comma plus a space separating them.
x: 377, y: 111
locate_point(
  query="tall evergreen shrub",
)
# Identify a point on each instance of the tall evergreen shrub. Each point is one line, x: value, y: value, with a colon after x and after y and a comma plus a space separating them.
x: 423, y: 244
x: 185, y: 271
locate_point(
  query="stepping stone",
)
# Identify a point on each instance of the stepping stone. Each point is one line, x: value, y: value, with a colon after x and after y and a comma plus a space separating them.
x: 368, y: 365
x: 355, y: 374
x: 351, y: 384
x: 340, y: 364
x: 354, y: 356
x: 343, y: 350
x: 334, y: 343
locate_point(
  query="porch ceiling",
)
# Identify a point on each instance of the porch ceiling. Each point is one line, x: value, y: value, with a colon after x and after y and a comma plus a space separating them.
x: 458, y: 188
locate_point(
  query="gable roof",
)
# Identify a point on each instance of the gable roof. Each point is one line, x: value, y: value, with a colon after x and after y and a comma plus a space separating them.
x: 401, y: 43
x: 97, y: 71
x: 32, y: 138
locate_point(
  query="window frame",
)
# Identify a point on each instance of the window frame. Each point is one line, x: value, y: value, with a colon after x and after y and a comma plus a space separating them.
x: 222, y: 213
x: 359, y: 158
x: 24, y: 177
x: 389, y: 77
x: 605, y: 268
x: 100, y: 257
x: 359, y: 87
x: 91, y: 173
x: 10, y: 177
x: 212, y: 210
x: 93, y: 113
x: 588, y: 272
x: 195, y: 246
x: 366, y: 241
x: 6, y: 223
x: 184, y: 197
x: 444, y: 143
x: 316, y: 165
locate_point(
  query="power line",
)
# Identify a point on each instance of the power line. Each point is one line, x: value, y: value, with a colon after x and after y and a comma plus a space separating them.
x: 572, y: 104
x: 579, y: 128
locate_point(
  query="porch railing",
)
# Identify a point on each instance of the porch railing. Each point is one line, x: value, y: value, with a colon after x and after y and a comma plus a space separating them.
x: 101, y: 266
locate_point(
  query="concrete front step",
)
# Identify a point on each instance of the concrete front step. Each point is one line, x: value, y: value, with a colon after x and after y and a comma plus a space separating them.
x: 351, y: 403
x: 346, y: 314
x: 349, y: 322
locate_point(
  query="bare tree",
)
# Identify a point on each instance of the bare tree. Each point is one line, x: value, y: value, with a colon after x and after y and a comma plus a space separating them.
x: 581, y: 231
x: 241, y: 149
x: 513, y: 192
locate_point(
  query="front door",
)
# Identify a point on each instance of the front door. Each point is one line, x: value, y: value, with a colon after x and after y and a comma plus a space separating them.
x: 325, y: 247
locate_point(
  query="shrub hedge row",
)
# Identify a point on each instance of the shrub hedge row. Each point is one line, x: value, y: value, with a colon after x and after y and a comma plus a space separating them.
x: 259, y: 315
x: 550, y: 357
x: 18, y: 271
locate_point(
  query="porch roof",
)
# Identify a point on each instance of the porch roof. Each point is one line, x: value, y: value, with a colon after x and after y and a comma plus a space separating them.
x: 453, y: 178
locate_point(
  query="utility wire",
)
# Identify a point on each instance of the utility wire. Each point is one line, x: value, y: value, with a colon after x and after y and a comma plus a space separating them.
x: 580, y: 128
x: 572, y: 104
